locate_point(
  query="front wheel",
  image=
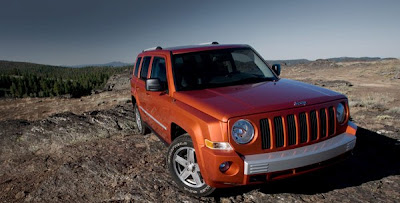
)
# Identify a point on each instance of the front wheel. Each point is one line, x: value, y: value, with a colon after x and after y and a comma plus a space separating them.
x: 184, y: 169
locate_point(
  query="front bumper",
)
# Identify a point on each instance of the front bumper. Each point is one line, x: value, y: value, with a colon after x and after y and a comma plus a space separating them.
x: 299, y: 157
x: 274, y: 165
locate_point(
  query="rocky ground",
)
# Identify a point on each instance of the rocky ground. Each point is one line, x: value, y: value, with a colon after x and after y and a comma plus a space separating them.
x: 95, y: 155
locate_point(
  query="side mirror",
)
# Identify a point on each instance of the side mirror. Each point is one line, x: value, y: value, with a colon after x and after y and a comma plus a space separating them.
x: 154, y: 85
x: 277, y: 69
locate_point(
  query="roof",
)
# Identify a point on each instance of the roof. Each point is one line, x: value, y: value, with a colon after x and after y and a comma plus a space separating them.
x: 195, y: 48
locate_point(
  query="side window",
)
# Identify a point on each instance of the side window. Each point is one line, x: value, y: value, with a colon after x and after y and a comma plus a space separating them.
x: 145, y: 67
x: 137, y: 66
x: 158, y: 69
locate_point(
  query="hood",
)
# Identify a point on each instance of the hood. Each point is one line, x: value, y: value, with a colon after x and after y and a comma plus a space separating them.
x: 228, y: 102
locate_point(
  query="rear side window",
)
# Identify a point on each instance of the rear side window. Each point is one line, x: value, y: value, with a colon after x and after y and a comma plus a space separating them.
x: 137, y: 66
x: 145, y: 67
x: 158, y: 69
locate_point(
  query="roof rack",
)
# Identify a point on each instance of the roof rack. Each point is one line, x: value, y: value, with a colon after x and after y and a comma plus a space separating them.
x: 207, y: 43
x: 153, y: 48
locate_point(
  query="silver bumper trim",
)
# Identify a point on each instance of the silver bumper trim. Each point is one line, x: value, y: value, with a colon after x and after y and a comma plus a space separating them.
x: 299, y: 157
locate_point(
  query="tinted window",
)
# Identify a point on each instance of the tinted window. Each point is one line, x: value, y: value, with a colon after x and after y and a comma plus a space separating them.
x: 137, y: 66
x: 158, y: 69
x: 145, y: 67
x: 245, y: 61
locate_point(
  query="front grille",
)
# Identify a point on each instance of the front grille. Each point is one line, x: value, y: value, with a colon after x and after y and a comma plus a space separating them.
x: 300, y: 128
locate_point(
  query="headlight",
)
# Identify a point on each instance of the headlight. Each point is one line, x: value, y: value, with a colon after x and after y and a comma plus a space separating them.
x: 340, y: 113
x: 242, y: 131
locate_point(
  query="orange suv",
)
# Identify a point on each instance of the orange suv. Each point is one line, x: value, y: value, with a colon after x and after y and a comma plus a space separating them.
x: 230, y: 120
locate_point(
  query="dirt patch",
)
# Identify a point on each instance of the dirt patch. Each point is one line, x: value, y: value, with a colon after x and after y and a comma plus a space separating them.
x: 328, y: 83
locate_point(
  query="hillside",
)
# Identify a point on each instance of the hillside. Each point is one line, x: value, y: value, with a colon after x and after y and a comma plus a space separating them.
x: 111, y: 64
x: 289, y: 62
x: 87, y: 149
x: 20, y: 79
x: 293, y: 62
x: 354, y: 59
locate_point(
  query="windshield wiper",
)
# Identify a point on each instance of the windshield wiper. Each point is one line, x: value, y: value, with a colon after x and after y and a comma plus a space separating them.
x: 253, y: 80
x: 239, y: 82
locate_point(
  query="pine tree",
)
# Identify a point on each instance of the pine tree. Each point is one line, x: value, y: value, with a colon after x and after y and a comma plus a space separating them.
x: 14, y: 90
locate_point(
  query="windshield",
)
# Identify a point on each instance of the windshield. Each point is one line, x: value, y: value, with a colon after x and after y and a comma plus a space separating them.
x: 218, y: 68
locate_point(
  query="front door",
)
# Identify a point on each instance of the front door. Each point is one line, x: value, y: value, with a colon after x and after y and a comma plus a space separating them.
x: 158, y: 102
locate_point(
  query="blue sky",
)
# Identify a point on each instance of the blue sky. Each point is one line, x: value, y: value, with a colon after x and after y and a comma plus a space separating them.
x: 75, y: 32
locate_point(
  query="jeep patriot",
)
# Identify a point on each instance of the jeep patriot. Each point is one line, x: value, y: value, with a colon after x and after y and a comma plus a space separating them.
x: 230, y: 120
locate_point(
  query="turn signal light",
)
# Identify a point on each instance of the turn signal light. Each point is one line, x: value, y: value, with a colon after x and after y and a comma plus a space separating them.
x: 218, y: 145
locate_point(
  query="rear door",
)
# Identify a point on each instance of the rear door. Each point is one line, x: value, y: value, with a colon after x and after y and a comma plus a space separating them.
x: 142, y: 98
x: 134, y: 75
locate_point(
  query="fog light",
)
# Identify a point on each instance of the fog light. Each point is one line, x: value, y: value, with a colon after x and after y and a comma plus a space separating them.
x: 224, y: 166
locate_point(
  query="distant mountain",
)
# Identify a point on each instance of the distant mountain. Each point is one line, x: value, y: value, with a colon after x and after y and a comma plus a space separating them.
x: 111, y: 64
x: 21, y: 68
x: 289, y: 62
x: 11, y: 65
x: 352, y: 59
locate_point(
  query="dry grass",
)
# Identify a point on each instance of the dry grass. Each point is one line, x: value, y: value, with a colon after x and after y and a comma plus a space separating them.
x: 394, y: 110
x: 384, y: 117
x: 372, y: 100
x: 344, y: 89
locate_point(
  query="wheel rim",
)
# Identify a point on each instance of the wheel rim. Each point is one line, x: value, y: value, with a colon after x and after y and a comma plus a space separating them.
x: 186, y: 167
x: 138, y: 120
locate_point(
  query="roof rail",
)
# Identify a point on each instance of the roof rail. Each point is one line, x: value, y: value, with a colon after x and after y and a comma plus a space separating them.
x: 207, y: 43
x: 153, y: 48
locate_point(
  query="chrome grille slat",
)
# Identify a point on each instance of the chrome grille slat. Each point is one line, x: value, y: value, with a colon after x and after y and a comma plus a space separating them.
x: 258, y: 168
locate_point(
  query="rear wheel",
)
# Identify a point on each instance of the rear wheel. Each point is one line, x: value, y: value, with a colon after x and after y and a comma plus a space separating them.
x: 184, y: 169
x: 141, y: 127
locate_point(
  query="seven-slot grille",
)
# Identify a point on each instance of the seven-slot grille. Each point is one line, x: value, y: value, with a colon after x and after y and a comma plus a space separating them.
x: 297, y: 128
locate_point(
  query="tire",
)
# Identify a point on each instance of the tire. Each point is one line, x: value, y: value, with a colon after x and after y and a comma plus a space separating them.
x: 140, y: 125
x: 183, y: 167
